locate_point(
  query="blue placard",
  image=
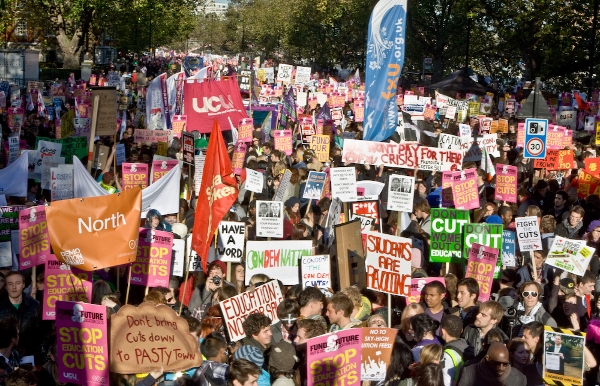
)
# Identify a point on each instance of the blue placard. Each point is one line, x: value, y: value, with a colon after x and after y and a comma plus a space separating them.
x: 535, y: 138
x: 509, y: 240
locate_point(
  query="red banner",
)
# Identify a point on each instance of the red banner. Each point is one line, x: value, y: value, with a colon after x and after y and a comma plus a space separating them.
x: 204, y: 102
x: 217, y: 193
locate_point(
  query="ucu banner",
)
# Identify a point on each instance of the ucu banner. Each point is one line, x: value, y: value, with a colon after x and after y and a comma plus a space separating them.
x: 204, y: 102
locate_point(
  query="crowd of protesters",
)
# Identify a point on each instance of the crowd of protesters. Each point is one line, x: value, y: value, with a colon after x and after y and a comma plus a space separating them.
x: 447, y: 337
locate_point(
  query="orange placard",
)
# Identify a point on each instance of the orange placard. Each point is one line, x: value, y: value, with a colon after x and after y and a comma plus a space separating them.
x: 556, y: 160
x: 96, y: 232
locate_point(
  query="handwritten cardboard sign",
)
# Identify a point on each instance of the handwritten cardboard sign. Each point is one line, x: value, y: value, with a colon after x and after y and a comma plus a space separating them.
x: 146, y: 337
x: 153, y: 136
x: 264, y: 299
x: 528, y: 233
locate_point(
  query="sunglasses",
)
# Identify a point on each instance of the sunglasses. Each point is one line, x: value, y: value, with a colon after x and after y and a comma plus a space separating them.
x: 527, y: 294
x: 499, y: 364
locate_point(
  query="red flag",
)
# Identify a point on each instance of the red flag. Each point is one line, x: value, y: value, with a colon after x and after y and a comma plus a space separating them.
x: 217, y: 193
x: 581, y: 104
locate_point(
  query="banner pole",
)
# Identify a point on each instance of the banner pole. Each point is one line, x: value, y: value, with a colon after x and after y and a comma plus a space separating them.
x: 115, y: 157
x: 389, y: 301
x: 187, y: 273
x: 534, y: 270
x: 308, y: 207
x: 33, y: 280
x: 229, y: 271
x: 128, y: 285
x: 118, y: 279
x: 93, y: 133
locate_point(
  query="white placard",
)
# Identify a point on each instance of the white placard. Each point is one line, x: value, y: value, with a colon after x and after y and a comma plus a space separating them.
x: 254, y: 181
x: 448, y: 141
x: 269, y: 219
x: 316, y: 271
x: 284, y: 73
x: 343, y: 183
x: 302, y: 75
x: 61, y: 182
x: 178, y: 259
x: 387, y: 263
x: 570, y: 255
x: 231, y: 241
x: 276, y: 259
x: 400, y: 193
x: 528, y: 233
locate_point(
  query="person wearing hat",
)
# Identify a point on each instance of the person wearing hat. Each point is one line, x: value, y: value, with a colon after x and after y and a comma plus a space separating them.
x: 254, y: 355
x: 282, y: 360
x: 563, y: 305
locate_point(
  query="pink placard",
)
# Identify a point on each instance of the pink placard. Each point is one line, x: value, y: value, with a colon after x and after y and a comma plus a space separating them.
x: 135, y: 174
x: 506, y: 183
x: 152, y: 265
x: 64, y: 283
x: 554, y: 140
x: 245, y: 128
x: 154, y: 136
x: 178, y: 125
x: 34, y: 241
x: 237, y: 161
x: 521, y: 135
x: 82, y: 328
x: 464, y: 189
x: 447, y: 198
x: 417, y: 285
x: 160, y: 168
x: 342, y: 348
x: 283, y: 141
x: 481, y: 265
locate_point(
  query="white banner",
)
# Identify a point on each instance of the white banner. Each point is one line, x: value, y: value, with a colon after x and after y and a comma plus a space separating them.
x: 163, y: 195
x: 13, y: 178
x: 254, y: 181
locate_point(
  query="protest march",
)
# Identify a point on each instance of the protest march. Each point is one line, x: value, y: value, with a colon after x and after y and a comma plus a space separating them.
x: 245, y: 221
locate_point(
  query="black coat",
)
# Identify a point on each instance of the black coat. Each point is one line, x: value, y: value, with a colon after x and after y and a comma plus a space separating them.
x: 28, y: 314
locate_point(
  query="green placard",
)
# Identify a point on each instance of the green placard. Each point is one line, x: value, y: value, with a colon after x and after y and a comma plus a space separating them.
x: 446, y: 234
x: 489, y: 235
x: 72, y: 146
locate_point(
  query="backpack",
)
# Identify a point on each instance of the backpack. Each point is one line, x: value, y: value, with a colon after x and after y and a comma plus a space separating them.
x: 457, y: 360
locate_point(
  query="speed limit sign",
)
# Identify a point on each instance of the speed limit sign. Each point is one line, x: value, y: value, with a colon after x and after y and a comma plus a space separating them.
x: 535, y: 138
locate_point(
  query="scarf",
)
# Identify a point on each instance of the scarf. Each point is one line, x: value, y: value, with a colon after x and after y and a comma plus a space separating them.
x: 572, y: 230
x: 489, y: 377
x: 526, y: 319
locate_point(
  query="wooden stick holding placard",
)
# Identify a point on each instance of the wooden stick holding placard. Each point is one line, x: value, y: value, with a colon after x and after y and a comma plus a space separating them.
x: 229, y: 271
x: 92, y: 136
x: 389, y: 304
x: 33, y: 279
x: 308, y: 207
x: 187, y: 273
x: 534, y: 270
x: 128, y: 285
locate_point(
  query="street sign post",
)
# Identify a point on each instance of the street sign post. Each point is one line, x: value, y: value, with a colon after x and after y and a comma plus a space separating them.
x: 535, y: 138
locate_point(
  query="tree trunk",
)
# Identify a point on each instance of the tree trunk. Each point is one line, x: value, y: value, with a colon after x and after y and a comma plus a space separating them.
x: 70, y: 48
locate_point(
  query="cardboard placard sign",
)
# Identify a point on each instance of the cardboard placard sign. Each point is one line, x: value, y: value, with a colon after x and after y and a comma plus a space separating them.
x: 278, y: 259
x: 149, y: 336
x: 264, y: 299
x: 388, y: 263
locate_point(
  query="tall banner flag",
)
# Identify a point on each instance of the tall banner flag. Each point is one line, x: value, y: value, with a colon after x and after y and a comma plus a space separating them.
x: 288, y: 109
x: 217, y: 193
x: 204, y: 102
x: 385, y: 57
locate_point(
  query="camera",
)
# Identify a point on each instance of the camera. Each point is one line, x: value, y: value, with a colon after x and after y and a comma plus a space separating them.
x: 216, y: 280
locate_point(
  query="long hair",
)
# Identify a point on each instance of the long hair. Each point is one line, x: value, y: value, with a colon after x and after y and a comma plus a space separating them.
x: 399, y: 362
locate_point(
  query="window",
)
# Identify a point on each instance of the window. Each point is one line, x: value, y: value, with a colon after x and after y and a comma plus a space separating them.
x: 21, y: 28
